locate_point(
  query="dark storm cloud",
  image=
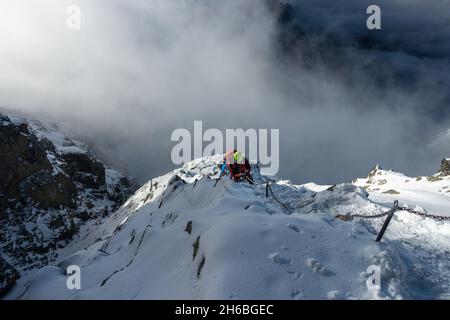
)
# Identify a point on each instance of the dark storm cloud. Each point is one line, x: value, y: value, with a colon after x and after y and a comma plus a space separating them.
x: 343, y: 97
x: 415, y: 27
x: 411, y: 53
x: 401, y: 71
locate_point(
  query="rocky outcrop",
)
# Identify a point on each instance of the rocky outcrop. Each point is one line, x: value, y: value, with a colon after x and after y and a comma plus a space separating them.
x: 85, y: 169
x: 47, y: 192
x: 26, y: 174
x: 445, y: 167
x: 374, y: 172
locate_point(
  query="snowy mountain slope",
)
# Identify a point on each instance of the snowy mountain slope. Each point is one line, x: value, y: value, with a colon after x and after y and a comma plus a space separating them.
x: 424, y: 242
x: 431, y: 193
x: 180, y: 236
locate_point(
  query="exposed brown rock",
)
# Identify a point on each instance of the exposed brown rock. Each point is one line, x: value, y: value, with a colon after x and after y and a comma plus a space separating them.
x: 188, y: 228
x: 196, y: 246
x: 22, y: 156
x: 84, y: 169
x: 391, y: 191
x: 445, y: 167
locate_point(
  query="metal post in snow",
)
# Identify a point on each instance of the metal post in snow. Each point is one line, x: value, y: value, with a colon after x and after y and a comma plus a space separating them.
x: 386, y: 222
x: 267, y: 189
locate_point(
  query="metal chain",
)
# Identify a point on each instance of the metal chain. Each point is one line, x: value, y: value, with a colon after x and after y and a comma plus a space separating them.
x: 424, y: 214
x: 418, y: 213
x: 284, y: 205
x: 370, y: 217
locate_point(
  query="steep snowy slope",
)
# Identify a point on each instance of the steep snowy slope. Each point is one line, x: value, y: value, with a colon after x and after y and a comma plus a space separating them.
x: 184, y: 236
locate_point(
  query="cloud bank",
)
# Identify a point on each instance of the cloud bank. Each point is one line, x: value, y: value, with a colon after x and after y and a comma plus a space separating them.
x: 343, y: 97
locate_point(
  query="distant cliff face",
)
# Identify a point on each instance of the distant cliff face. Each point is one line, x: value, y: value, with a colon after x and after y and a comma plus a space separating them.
x: 26, y: 174
x: 50, y: 186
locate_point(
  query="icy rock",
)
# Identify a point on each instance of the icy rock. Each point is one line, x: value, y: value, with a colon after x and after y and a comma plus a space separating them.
x: 317, y: 267
x: 445, y: 167
x: 293, y: 227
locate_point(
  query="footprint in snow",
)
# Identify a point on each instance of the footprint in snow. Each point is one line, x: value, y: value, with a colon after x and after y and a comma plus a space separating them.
x: 319, y: 268
x: 277, y: 258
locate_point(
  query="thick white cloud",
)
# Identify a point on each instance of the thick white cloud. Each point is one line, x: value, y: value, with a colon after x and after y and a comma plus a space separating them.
x: 139, y: 69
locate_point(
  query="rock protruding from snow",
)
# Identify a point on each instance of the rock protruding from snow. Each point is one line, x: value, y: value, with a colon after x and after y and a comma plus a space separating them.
x: 374, y: 170
x: 445, y: 167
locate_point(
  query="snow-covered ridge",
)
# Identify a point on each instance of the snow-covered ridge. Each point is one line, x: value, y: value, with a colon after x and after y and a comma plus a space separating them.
x: 183, y: 235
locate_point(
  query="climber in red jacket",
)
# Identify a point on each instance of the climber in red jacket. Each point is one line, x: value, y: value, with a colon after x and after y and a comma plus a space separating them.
x: 237, y: 165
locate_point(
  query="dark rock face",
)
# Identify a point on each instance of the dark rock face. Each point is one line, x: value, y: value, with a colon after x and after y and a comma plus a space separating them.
x: 445, y: 167
x: 46, y: 195
x: 8, y: 276
x: 85, y: 169
x: 26, y: 174
x: 21, y: 155
x: 48, y: 191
